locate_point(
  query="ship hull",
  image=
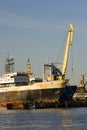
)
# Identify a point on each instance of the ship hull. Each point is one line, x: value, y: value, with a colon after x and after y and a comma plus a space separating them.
x: 49, y: 91
x: 29, y: 95
x: 28, y: 92
x: 13, y: 96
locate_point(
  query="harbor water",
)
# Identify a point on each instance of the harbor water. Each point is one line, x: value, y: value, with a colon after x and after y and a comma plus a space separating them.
x: 44, y: 119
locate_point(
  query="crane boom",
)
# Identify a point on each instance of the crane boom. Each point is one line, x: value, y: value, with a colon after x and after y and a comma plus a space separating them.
x: 68, y: 43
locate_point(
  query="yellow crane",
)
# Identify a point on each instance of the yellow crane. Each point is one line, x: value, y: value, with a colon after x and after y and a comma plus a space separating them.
x: 66, y: 54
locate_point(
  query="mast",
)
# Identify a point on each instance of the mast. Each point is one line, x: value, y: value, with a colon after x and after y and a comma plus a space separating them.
x: 28, y: 68
x: 66, y: 54
x: 9, y: 65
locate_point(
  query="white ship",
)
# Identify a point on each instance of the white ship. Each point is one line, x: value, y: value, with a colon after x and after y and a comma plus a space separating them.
x: 16, y: 86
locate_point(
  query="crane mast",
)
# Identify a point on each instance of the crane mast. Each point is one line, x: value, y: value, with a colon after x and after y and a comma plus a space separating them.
x: 68, y: 43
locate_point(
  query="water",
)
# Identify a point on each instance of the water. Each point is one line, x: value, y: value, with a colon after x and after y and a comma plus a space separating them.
x: 44, y: 119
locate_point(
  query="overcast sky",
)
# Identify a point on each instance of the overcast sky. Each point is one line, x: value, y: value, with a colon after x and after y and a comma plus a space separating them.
x: 37, y: 29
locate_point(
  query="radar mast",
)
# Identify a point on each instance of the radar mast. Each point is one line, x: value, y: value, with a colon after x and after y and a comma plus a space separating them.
x: 9, y: 65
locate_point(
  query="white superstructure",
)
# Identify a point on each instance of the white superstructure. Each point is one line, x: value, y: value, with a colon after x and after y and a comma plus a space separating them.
x: 15, y: 78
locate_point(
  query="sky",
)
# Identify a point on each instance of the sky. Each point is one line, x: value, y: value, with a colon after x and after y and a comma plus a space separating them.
x: 37, y: 29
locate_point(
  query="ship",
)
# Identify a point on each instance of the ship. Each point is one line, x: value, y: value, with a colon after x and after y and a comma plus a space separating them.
x: 21, y: 86
x: 81, y: 91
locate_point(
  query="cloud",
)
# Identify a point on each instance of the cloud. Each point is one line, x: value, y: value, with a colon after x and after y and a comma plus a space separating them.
x: 10, y: 19
x: 19, y: 21
x: 13, y: 20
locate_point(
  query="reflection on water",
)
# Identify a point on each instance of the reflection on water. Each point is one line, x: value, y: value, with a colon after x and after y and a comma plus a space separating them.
x: 66, y: 122
x: 44, y: 119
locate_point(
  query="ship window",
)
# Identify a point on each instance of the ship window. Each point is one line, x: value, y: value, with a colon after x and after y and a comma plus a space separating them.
x: 12, y: 76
